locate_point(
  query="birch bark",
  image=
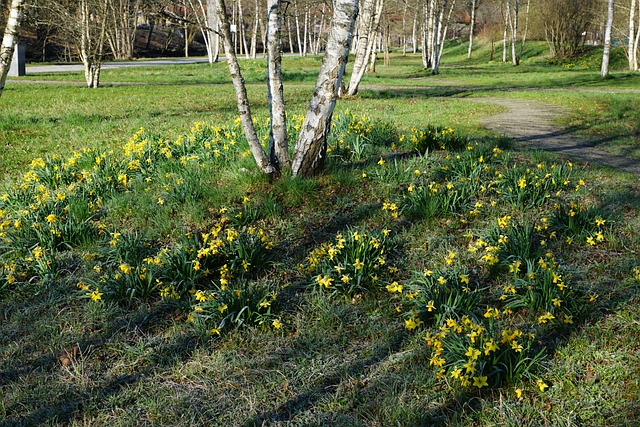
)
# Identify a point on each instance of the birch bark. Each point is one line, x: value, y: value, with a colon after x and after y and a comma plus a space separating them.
x: 472, y: 26
x: 241, y: 93
x: 311, y: 146
x: 604, y: 71
x: 278, y: 148
x: 9, y: 39
x: 362, y: 47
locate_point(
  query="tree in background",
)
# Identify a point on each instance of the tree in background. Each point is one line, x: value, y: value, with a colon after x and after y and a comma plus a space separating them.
x: 604, y: 71
x: 565, y: 22
x: 10, y: 39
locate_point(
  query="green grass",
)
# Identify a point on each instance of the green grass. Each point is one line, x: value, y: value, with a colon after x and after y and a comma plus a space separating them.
x: 352, y: 359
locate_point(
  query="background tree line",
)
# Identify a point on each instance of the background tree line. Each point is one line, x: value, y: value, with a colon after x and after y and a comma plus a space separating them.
x: 126, y: 29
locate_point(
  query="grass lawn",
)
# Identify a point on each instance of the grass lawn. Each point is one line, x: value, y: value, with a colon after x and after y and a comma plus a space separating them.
x: 432, y: 275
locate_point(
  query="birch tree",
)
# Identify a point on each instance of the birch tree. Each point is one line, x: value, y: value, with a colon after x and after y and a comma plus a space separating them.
x: 604, y: 71
x: 311, y: 146
x: 310, y: 150
x: 634, y: 36
x: 9, y: 39
x: 93, y: 25
x: 440, y: 28
x: 205, y: 15
x: 364, y: 45
x: 240, y: 89
x: 515, y: 59
x: 474, y: 6
x: 278, y: 147
x: 121, y: 32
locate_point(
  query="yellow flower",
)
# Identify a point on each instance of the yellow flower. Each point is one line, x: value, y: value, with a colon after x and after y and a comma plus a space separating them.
x: 125, y: 268
x: 201, y: 296
x: 431, y: 306
x: 490, y: 346
x: 464, y: 279
x: 456, y: 373
x: 277, y: 323
x: 358, y: 264
x: 473, y: 353
x: 542, y: 385
x: 470, y: 366
x: 265, y: 304
x: 412, y: 323
x: 214, y: 331
x: 96, y: 295
x: 223, y: 308
x: 394, y: 287
x: 51, y: 218
x: 324, y: 281
x: 522, y: 183
x: 480, y: 382
x: 591, y: 241
x: 518, y: 393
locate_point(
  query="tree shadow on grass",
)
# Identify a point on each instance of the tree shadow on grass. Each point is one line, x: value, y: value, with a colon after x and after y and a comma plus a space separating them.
x: 327, y: 386
x: 76, y: 385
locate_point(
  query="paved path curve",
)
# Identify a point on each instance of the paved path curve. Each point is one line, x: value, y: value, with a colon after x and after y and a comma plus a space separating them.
x: 530, y: 123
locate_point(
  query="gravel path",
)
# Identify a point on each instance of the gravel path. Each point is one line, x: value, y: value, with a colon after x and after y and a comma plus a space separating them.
x: 530, y: 123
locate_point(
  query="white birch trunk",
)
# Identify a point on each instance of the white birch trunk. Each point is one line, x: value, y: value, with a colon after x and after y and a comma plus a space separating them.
x: 438, y: 27
x: 10, y: 39
x: 632, y: 46
x: 305, y: 37
x: 373, y: 51
x: 432, y: 32
x: 425, y: 33
x: 471, y: 27
x: 507, y: 19
x: 526, y: 29
x: 295, y: 7
x: 637, y: 40
x: 604, y: 71
x: 514, y: 34
x: 404, y: 30
x: 311, y: 146
x: 241, y: 93
x: 254, y: 34
x: 363, y: 47
x: 278, y: 148
x: 414, y: 35
x: 242, y: 31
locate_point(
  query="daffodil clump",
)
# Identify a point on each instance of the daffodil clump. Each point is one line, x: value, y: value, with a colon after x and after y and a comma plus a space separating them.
x: 435, y: 138
x: 459, y: 186
x: 356, y: 261
x: 353, y: 136
x: 529, y: 187
x: 197, y: 262
x: 580, y: 224
x: 469, y: 353
x: 59, y: 204
x: 434, y: 295
x: 244, y: 302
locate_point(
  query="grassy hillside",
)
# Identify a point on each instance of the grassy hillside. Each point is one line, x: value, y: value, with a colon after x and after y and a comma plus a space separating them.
x: 432, y: 275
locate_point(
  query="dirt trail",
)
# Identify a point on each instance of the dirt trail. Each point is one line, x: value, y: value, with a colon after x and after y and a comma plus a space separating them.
x: 530, y: 123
